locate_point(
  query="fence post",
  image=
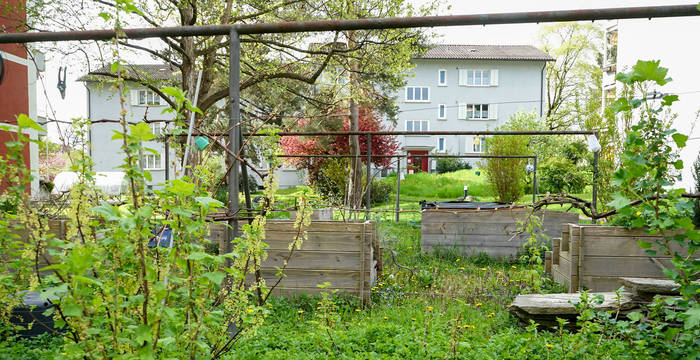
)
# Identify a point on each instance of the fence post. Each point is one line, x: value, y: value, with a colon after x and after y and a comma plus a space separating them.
x: 398, y: 186
x: 534, y: 181
x: 594, y: 202
x: 233, y: 138
x: 369, y: 175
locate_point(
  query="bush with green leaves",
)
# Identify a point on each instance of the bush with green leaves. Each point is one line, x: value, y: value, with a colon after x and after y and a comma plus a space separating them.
x: 507, y: 176
x: 559, y: 175
x: 380, y: 192
x: 446, y: 165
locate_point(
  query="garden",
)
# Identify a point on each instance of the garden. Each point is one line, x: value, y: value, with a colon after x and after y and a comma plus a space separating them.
x: 206, y: 266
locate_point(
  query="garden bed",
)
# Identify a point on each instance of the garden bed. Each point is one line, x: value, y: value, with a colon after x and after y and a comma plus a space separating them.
x: 345, y: 254
x: 594, y: 257
x: 491, y: 231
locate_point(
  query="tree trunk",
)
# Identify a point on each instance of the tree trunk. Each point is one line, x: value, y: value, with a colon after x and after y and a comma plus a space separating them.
x: 355, y: 184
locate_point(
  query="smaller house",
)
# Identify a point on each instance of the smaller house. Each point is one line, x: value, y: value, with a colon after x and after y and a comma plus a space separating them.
x: 104, y: 104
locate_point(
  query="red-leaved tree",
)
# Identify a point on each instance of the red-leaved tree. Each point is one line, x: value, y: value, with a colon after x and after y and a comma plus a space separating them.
x: 338, y: 145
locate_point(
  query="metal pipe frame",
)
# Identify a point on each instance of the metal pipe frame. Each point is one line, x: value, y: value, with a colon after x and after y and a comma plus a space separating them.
x: 363, y: 24
x: 447, y: 132
x: 234, y: 135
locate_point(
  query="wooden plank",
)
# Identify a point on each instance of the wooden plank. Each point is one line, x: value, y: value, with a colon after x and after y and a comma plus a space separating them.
x: 601, y: 283
x: 597, y: 245
x: 555, y: 250
x: 565, y: 267
x: 548, y: 262
x: 315, y: 260
x: 472, y: 240
x: 629, y: 266
x: 574, y: 250
x: 310, y: 278
x: 492, y: 251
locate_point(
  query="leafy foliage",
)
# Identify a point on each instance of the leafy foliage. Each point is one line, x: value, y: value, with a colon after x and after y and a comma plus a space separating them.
x: 446, y: 165
x: 650, y: 166
x: 507, y: 176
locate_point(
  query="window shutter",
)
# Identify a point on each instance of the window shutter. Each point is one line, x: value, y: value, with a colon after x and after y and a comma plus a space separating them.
x: 462, y: 113
x: 134, y: 97
x: 462, y: 77
x: 493, y: 111
x: 494, y: 77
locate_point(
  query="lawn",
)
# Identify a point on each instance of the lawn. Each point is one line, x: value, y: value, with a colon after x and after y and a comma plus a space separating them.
x: 441, y: 306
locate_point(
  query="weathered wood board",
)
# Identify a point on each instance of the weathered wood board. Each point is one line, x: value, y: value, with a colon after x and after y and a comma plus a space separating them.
x: 494, y: 232
x: 345, y: 254
x: 594, y: 257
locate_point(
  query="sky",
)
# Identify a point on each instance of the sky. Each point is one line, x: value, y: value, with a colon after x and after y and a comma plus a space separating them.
x: 669, y: 40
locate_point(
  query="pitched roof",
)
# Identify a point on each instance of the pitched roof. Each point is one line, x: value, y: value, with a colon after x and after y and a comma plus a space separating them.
x: 143, y: 71
x: 486, y: 52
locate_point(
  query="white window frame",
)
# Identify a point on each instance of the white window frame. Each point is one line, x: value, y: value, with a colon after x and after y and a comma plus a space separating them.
x: 150, y: 160
x: 414, y: 100
x: 442, y: 108
x: 464, y: 77
x: 137, y: 101
x: 156, y: 128
x: 481, y: 145
x: 444, y: 144
x: 427, y: 125
x: 473, y: 111
x: 440, y: 72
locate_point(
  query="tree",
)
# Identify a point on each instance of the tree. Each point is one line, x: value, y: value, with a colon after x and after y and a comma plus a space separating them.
x: 507, y: 176
x: 331, y: 176
x: 574, y: 80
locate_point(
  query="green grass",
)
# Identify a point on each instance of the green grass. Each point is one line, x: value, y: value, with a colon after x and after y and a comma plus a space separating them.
x: 440, y: 306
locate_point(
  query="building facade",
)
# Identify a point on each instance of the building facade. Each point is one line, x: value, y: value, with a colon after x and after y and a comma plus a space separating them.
x: 18, y: 86
x: 104, y: 104
x: 466, y: 88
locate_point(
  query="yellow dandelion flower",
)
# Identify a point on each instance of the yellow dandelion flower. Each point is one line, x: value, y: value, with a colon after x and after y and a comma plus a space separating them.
x: 478, y: 304
x: 639, y: 213
x: 483, y: 269
x: 513, y: 266
x: 430, y: 308
x: 357, y: 310
x: 251, y: 310
x: 413, y: 319
x: 300, y: 311
x: 549, y: 346
x: 385, y: 318
x: 458, y: 260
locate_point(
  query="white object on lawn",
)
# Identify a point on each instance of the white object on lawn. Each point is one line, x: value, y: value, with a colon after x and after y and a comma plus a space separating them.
x: 111, y: 183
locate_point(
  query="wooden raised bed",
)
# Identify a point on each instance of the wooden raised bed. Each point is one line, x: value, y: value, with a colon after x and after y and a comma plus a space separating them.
x: 471, y: 231
x: 345, y: 254
x: 594, y: 257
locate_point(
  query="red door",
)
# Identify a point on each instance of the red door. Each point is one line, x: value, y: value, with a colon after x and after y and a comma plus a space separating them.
x: 417, y: 161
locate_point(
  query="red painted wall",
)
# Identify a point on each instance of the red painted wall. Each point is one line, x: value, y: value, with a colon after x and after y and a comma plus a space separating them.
x: 14, y: 95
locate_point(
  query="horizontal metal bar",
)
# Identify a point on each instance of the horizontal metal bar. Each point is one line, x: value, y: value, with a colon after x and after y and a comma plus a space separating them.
x: 362, y: 24
x: 431, y: 156
x: 418, y: 133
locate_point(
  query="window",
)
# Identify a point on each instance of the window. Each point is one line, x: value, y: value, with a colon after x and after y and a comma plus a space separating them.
x: 442, y: 77
x: 416, y: 125
x: 441, y: 144
x: 479, y: 144
x: 477, y: 111
x: 469, y: 77
x: 148, y: 97
x: 151, y: 162
x: 610, y: 96
x: 156, y: 128
x: 442, y: 111
x: 417, y: 94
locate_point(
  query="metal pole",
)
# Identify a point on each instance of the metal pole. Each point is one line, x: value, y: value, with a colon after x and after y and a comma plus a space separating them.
x: 398, y: 187
x: 167, y: 158
x: 362, y: 24
x: 594, y: 202
x: 368, y: 198
x: 233, y: 137
x: 534, y: 181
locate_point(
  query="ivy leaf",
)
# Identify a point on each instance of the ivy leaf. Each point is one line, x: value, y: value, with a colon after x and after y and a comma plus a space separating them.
x: 680, y: 139
x: 142, y: 132
x: 25, y: 121
x: 692, y: 317
x: 180, y: 187
x: 619, y: 201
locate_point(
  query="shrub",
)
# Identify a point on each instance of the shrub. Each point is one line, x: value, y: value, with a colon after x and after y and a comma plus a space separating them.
x: 507, y: 176
x: 381, y: 191
x: 561, y: 175
x: 696, y: 202
x: 330, y: 181
x: 446, y: 165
